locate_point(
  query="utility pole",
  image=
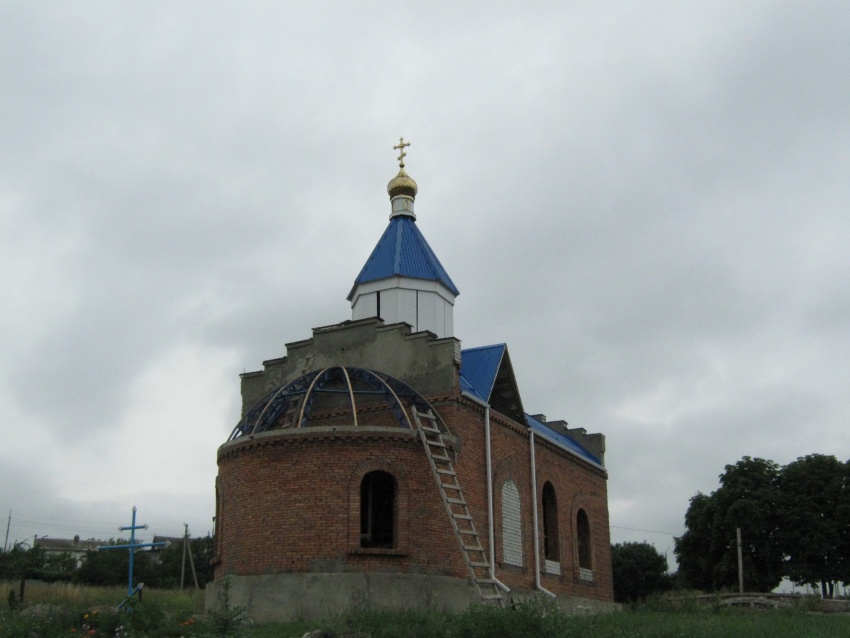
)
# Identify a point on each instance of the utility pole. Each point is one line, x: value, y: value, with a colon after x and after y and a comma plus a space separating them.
x: 740, y: 562
x: 8, y: 524
x: 187, y: 548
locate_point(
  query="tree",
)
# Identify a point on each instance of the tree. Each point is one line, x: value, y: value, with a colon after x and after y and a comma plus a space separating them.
x: 691, y: 549
x: 61, y: 566
x: 639, y: 571
x: 111, y: 566
x: 747, y: 499
x: 815, y: 498
x: 21, y: 561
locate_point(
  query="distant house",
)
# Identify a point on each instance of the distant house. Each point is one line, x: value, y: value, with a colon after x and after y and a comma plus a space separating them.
x: 73, y: 546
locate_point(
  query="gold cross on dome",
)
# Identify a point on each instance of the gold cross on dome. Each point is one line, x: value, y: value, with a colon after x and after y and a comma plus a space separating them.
x: 400, y: 146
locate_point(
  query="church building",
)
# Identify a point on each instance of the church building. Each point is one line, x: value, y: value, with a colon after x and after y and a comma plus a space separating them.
x: 379, y: 464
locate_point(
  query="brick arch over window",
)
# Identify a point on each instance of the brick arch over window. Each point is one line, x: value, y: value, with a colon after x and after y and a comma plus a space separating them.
x: 551, y: 532
x: 511, y: 524
x: 378, y: 509
x: 583, y: 540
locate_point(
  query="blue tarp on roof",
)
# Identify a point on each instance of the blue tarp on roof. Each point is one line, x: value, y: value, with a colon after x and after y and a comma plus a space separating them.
x: 565, y: 441
x: 478, y: 369
x: 403, y: 252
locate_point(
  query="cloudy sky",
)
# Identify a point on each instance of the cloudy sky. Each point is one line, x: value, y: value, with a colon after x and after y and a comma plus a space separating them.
x: 648, y: 202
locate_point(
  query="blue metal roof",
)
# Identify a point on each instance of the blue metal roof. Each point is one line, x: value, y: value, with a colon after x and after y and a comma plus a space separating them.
x: 403, y: 252
x: 478, y: 369
x: 564, y: 441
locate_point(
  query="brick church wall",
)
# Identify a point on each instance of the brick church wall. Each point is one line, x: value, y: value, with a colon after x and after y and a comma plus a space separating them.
x: 577, y: 485
x: 288, y: 500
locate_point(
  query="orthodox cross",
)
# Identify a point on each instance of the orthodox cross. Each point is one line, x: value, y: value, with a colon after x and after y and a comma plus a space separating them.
x: 400, y: 146
x: 132, y: 546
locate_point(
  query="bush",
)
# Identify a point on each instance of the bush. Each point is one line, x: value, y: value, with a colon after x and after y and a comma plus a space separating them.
x: 638, y: 571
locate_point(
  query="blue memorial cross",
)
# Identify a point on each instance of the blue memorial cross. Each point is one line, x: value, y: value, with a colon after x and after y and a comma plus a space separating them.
x: 132, y: 546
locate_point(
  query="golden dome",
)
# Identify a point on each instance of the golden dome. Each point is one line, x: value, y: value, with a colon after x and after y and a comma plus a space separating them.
x: 402, y: 184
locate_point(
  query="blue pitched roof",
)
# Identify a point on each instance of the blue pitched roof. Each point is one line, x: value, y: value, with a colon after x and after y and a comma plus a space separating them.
x: 403, y: 252
x: 478, y: 369
x: 565, y: 441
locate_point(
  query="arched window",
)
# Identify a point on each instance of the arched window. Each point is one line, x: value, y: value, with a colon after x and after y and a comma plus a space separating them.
x: 377, y: 510
x: 511, y: 524
x: 583, y: 539
x: 550, y: 524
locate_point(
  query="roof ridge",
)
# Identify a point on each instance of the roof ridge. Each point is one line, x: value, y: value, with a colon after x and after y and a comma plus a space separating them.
x: 492, y: 345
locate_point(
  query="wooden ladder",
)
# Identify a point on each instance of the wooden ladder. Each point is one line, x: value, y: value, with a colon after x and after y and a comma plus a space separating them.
x: 441, y: 465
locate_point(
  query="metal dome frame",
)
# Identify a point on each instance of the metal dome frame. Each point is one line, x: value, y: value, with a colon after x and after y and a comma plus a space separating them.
x: 295, y: 400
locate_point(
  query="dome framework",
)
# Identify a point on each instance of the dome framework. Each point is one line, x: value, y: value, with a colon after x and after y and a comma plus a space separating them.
x: 336, y: 395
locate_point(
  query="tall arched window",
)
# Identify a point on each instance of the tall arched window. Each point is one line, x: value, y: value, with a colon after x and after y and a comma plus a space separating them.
x: 583, y: 538
x: 551, y: 548
x: 511, y: 524
x: 377, y: 510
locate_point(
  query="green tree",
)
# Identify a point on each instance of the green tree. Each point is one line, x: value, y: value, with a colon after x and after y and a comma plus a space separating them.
x: 696, y: 568
x: 639, y: 571
x: 59, y: 567
x: 21, y: 561
x: 111, y: 566
x: 815, y: 499
x: 747, y: 499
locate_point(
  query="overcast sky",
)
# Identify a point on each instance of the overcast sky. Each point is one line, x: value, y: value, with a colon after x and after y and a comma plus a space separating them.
x: 648, y: 202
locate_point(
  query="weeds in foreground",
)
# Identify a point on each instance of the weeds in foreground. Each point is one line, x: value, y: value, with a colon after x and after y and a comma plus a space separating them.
x: 540, y: 619
x: 227, y: 620
x: 168, y: 616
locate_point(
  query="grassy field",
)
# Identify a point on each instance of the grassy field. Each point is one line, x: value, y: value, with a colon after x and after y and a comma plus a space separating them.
x: 631, y: 623
x: 73, y: 611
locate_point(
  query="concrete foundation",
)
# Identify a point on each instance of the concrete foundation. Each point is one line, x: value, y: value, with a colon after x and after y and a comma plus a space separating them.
x: 284, y: 597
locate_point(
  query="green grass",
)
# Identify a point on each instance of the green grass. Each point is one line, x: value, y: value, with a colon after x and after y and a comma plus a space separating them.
x: 54, y: 611
x: 74, y: 611
x: 507, y: 623
x: 185, y: 601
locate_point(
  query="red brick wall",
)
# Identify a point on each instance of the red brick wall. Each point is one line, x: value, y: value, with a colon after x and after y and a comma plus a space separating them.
x: 289, y: 502
x: 576, y: 483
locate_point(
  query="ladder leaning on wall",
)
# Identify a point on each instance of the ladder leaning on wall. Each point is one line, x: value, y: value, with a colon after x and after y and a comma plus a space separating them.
x: 470, y: 543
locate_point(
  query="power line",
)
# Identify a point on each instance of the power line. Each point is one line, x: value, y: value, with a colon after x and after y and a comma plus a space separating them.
x: 648, y: 531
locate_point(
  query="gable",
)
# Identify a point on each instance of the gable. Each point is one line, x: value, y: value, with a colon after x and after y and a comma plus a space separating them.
x: 487, y: 373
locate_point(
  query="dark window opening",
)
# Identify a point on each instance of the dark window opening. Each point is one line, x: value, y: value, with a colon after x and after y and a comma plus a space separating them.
x: 377, y: 510
x: 550, y: 524
x: 583, y: 529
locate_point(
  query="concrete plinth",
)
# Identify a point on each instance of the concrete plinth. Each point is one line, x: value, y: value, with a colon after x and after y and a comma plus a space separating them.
x: 283, y: 597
